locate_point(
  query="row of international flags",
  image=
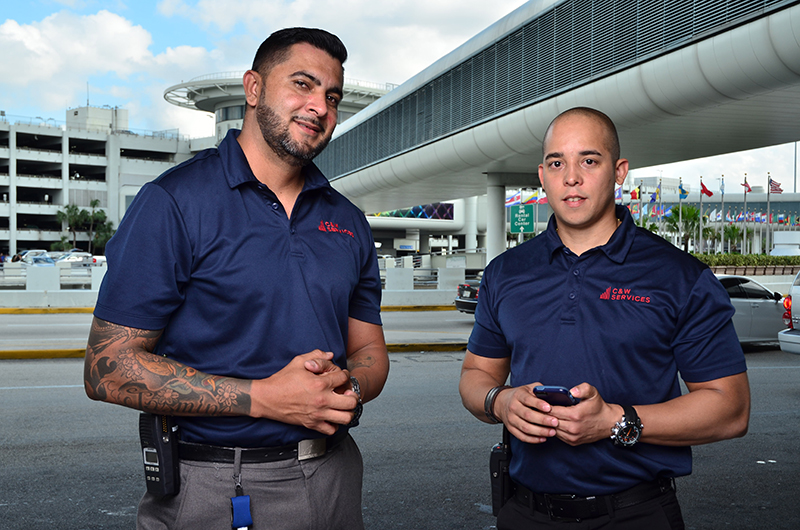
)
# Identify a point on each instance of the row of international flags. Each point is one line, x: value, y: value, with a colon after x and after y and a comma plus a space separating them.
x: 774, y: 188
x: 538, y: 196
x: 534, y: 197
x: 717, y: 215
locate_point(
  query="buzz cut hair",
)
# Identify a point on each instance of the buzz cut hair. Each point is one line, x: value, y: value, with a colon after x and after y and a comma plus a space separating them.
x: 612, y: 138
x: 275, y: 49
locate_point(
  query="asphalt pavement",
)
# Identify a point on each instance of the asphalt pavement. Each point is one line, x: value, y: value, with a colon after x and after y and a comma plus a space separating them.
x: 48, y: 334
x: 73, y: 464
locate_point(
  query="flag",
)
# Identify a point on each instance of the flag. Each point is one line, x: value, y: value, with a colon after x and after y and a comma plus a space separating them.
x: 775, y: 186
x: 543, y: 200
x: 618, y: 194
x: 747, y: 188
x: 781, y: 218
x: 713, y: 215
x: 722, y: 187
x: 533, y: 199
x: 668, y: 213
x: 654, y: 196
x: 728, y: 217
x: 704, y: 190
x: 634, y: 193
x: 682, y: 192
x: 513, y: 200
x: 763, y: 218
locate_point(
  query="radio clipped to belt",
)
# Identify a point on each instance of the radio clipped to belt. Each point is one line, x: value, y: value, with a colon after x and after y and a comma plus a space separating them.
x: 159, y: 437
x: 502, y: 486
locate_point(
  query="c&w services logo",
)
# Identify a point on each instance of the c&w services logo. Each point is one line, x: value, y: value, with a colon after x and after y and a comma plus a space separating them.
x: 623, y: 294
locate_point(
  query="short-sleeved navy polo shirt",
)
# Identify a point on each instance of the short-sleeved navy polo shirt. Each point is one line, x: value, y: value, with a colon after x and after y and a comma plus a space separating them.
x: 207, y: 253
x: 625, y: 317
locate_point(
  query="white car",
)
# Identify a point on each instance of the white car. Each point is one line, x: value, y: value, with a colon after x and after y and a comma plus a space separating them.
x: 759, y: 311
x: 790, y: 338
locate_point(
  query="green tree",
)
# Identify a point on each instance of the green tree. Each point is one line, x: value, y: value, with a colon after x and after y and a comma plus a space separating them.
x: 103, y: 233
x: 75, y: 218
x: 95, y: 216
x: 684, y: 221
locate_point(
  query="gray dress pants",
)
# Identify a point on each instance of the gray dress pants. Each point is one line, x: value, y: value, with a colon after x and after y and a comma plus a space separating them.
x: 319, y: 494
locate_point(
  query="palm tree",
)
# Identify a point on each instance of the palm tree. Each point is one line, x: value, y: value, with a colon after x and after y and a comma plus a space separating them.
x: 690, y: 218
x: 75, y: 219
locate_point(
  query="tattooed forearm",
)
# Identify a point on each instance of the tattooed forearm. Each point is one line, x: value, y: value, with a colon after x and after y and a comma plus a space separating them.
x: 120, y: 368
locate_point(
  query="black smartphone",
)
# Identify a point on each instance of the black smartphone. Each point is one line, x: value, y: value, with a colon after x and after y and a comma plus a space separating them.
x: 555, y: 395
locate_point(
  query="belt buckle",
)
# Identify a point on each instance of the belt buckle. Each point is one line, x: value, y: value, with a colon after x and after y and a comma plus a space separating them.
x: 314, y: 448
x: 548, y: 502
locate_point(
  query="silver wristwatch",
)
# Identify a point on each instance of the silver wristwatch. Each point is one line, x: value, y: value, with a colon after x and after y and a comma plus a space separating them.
x: 359, y: 407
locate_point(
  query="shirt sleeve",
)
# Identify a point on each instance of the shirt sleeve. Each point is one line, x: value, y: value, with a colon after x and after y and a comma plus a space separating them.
x: 365, y: 302
x: 487, y: 338
x: 149, y: 262
x: 705, y: 345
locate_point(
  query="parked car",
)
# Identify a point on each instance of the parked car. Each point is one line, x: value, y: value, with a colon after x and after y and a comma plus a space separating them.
x: 76, y: 257
x: 467, y: 295
x: 759, y: 311
x: 40, y: 261
x: 26, y: 256
x: 789, y: 339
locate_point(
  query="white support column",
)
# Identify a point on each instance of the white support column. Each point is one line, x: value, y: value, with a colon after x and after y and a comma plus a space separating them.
x: 495, y: 217
x: 471, y: 223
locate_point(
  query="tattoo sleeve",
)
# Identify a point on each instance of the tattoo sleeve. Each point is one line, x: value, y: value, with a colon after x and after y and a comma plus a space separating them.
x: 121, y: 368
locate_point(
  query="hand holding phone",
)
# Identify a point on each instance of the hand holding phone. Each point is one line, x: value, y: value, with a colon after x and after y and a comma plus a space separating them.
x: 555, y: 395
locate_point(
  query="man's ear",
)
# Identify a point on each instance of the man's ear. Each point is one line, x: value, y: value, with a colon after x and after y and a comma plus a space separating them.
x: 252, y: 81
x: 621, y: 170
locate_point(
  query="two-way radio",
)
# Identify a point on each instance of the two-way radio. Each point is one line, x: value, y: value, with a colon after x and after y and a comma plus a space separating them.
x: 159, y: 437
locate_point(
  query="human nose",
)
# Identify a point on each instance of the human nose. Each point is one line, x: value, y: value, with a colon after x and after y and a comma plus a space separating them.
x: 317, y: 103
x: 572, y: 176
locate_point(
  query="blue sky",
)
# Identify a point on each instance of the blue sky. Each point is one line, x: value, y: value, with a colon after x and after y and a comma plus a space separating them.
x: 130, y: 51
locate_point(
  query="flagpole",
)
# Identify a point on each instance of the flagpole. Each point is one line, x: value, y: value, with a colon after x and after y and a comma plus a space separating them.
x: 680, y: 209
x: 724, y: 218
x: 744, y: 236
x: 641, y: 213
x: 700, y: 236
x: 769, y: 191
x: 660, y: 209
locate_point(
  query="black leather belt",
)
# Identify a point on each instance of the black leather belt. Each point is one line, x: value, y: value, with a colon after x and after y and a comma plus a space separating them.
x: 302, y: 450
x: 573, y: 508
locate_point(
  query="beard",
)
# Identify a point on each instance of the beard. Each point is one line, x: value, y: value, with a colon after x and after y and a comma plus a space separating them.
x: 276, y: 135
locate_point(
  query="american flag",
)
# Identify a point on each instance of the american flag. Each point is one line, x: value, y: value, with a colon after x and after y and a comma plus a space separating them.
x: 775, y: 186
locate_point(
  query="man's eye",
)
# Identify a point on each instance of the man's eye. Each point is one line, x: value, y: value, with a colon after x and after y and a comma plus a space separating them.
x: 555, y: 164
x: 590, y: 162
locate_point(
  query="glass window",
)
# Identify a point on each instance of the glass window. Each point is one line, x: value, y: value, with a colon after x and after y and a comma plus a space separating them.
x: 755, y: 291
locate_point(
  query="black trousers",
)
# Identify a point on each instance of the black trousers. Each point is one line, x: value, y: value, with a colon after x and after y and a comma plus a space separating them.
x: 661, y: 513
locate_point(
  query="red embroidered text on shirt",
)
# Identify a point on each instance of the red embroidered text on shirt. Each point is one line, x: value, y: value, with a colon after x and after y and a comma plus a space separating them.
x: 327, y: 226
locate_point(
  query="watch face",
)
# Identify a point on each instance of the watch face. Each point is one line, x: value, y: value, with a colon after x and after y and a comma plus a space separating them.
x: 628, y: 434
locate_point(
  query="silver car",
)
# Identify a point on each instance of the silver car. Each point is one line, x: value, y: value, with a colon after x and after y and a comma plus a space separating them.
x: 759, y: 311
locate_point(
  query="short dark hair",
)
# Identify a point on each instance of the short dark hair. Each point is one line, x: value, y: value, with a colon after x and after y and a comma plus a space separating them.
x: 612, y: 136
x: 275, y: 48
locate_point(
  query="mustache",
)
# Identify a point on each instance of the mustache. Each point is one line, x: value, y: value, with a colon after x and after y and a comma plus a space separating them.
x: 312, y: 120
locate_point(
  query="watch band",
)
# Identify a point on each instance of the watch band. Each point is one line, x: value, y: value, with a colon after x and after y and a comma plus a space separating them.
x: 488, y: 403
x: 628, y: 429
x: 359, y: 406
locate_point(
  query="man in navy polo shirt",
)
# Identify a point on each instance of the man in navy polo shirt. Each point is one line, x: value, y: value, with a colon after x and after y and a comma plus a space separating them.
x: 614, y: 314
x: 243, y: 298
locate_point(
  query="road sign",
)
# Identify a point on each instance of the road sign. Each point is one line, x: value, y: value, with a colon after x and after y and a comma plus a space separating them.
x: 521, y: 218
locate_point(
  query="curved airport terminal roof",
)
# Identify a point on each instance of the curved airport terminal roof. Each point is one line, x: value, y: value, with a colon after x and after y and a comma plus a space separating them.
x: 730, y: 87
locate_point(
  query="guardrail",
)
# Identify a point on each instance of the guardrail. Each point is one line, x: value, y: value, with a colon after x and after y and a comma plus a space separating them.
x: 15, y: 276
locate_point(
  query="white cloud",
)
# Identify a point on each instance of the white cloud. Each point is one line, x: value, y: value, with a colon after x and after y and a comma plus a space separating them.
x: 387, y: 42
x: 48, y: 64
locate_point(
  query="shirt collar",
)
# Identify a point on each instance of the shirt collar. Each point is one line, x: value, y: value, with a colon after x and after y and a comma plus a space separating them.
x: 238, y: 172
x: 617, y: 247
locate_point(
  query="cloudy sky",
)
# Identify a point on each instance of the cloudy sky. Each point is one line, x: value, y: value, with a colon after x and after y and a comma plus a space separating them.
x: 57, y: 54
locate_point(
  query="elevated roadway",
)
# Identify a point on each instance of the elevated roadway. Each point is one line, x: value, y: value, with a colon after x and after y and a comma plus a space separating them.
x: 699, y: 79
